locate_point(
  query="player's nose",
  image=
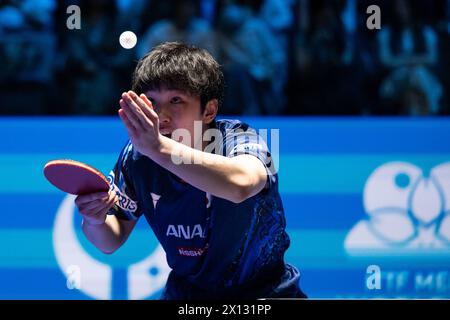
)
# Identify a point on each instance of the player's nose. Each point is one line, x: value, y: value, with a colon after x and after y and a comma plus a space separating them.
x: 164, y: 115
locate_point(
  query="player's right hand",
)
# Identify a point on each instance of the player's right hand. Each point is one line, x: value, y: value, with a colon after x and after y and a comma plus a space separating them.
x: 94, y: 207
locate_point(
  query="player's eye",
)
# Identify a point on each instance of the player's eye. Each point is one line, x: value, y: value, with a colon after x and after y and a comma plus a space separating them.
x: 176, y: 100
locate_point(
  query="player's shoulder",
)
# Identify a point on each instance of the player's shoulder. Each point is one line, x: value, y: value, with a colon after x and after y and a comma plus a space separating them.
x: 135, y: 164
x: 127, y: 149
x: 227, y: 125
x: 129, y: 153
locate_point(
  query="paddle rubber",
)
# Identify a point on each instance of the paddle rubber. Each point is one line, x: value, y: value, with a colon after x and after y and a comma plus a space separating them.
x: 75, y: 177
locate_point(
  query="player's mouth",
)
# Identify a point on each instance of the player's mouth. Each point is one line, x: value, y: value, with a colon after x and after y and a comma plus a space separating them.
x: 165, y: 131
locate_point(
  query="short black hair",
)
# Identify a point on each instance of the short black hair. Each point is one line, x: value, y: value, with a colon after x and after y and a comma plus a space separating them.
x: 178, y: 66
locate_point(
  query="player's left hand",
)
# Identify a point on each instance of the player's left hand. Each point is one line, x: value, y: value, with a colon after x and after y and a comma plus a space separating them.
x: 141, y: 121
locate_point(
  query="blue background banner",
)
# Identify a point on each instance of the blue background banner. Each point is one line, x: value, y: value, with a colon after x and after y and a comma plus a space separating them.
x: 359, y: 194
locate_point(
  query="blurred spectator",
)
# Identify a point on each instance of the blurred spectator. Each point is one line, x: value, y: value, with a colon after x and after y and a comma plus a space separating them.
x: 27, y: 48
x: 409, y: 50
x: 326, y: 80
x: 440, y: 17
x: 18, y: 15
x: 184, y: 25
x: 209, y: 10
x: 11, y: 16
x: 130, y: 13
x: 252, y: 57
x: 279, y: 16
x: 95, y: 60
x: 279, y: 56
x: 277, y: 13
x: 367, y: 59
x: 153, y: 11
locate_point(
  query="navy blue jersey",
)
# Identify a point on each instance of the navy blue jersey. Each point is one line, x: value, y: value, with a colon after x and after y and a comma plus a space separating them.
x: 213, y: 245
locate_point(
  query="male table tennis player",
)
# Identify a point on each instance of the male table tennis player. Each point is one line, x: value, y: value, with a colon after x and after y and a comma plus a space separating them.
x: 220, y: 218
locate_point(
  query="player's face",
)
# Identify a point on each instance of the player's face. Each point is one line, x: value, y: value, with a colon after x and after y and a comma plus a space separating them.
x: 176, y: 110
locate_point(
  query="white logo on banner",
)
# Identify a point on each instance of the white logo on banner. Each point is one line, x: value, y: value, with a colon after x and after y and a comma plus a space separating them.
x: 95, y: 277
x: 408, y: 212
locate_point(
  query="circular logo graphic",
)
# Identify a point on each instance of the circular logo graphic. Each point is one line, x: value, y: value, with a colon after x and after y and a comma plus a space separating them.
x: 95, y: 278
x: 407, y: 211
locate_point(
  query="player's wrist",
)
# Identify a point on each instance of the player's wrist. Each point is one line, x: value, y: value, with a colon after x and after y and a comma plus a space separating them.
x: 158, y: 148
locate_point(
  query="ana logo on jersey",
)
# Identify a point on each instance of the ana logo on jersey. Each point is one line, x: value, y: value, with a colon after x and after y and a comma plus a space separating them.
x: 144, y: 278
x: 408, y: 212
x: 185, y: 232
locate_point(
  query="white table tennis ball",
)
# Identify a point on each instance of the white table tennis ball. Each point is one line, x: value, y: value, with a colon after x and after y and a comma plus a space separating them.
x: 128, y: 39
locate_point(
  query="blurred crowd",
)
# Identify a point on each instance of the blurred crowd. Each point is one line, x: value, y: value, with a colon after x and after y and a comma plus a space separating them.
x: 279, y: 57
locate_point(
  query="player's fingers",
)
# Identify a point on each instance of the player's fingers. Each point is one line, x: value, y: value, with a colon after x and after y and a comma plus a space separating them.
x: 149, y: 111
x: 91, y: 207
x: 112, y: 195
x: 147, y: 101
x: 135, y: 114
x: 93, y: 213
x: 99, y: 210
x: 83, y: 199
x: 112, y: 199
x: 96, y: 206
x: 128, y: 125
x: 143, y: 106
x: 123, y: 106
x: 149, y: 116
x: 126, y: 104
x: 134, y: 120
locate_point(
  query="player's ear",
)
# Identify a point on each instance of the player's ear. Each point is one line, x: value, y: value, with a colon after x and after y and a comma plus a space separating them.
x: 210, y: 112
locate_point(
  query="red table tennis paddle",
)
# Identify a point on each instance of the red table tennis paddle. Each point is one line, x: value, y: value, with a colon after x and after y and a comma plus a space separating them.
x: 75, y: 177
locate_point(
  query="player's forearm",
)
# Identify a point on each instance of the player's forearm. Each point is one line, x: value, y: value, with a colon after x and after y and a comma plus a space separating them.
x: 106, y: 236
x: 227, y: 178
